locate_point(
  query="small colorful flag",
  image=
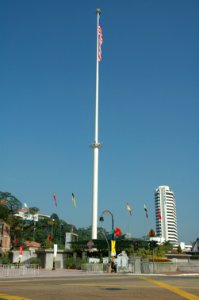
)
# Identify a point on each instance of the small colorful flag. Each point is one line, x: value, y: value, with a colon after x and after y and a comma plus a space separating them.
x: 20, y: 250
x: 151, y: 233
x: 159, y: 215
x: 113, y: 251
x: 55, y: 199
x: 117, y: 231
x: 73, y: 200
x: 128, y: 206
x: 100, y: 41
x: 146, y: 211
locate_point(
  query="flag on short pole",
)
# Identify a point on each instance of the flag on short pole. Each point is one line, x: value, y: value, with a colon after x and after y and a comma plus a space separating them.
x: 117, y: 231
x: 100, y: 41
x: 74, y: 200
x: 55, y: 199
x: 55, y: 250
x: 146, y: 211
x: 113, y: 250
x: 20, y: 250
x: 128, y: 206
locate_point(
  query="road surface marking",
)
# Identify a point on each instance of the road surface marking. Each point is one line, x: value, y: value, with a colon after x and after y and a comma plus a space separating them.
x: 171, y: 288
x: 12, y: 297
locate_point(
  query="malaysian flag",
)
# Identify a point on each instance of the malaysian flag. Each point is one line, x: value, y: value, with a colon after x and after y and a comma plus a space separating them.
x: 159, y: 215
x: 100, y: 41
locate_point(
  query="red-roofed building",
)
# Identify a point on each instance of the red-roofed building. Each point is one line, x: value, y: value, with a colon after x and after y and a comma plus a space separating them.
x: 32, y: 244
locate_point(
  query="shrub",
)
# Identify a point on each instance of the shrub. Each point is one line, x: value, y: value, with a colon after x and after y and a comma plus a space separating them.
x: 35, y: 261
x: 79, y: 262
x: 5, y: 259
x: 75, y: 264
x: 70, y: 263
x: 48, y: 244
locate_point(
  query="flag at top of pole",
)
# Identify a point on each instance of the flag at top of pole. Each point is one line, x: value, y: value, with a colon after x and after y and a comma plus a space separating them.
x: 99, y: 36
x: 100, y: 41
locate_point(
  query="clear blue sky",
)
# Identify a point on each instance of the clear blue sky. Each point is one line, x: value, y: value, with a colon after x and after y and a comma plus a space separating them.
x: 148, y: 107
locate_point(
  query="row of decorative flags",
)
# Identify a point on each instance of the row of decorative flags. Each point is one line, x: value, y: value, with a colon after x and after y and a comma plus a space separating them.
x: 73, y: 199
x: 129, y: 208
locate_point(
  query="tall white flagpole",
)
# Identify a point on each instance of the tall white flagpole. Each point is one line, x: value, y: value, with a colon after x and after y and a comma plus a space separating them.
x: 96, y: 145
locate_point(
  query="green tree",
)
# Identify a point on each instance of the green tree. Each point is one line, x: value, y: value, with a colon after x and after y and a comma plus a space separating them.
x: 33, y: 210
x: 55, y: 217
x: 12, y: 203
x: 4, y: 212
x: 179, y: 249
x: 167, y: 246
x: 85, y: 233
x: 5, y: 259
x: 48, y: 244
x: 142, y: 252
x: 41, y: 233
x: 9, y: 206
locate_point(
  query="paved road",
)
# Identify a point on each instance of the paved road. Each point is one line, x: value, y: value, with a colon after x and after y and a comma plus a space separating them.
x: 106, y: 286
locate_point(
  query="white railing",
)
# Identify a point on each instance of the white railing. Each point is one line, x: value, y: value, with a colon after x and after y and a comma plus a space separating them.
x: 13, y: 270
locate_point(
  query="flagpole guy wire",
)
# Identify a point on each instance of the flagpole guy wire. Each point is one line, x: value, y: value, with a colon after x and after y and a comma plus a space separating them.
x: 96, y: 145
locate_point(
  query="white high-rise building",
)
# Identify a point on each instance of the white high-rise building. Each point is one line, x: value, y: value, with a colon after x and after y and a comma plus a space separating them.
x: 165, y: 213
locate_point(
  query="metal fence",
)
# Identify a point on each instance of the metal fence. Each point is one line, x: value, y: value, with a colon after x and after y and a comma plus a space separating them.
x: 13, y: 270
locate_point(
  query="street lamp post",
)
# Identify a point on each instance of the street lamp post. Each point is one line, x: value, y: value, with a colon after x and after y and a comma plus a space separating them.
x: 108, y: 213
